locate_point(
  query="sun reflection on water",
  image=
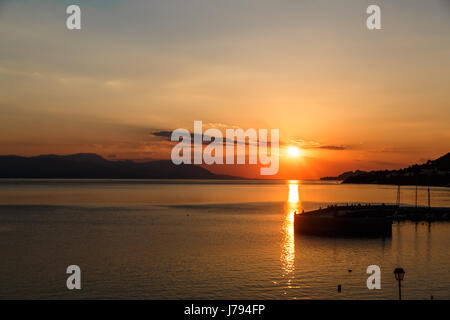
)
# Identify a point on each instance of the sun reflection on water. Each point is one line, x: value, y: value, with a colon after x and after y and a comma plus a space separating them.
x: 288, y: 245
x: 293, y: 192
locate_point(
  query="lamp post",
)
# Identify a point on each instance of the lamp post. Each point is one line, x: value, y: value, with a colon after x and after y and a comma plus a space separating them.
x: 399, y: 275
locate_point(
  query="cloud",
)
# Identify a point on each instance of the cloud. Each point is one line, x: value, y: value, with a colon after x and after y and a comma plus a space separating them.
x: 163, y: 134
x: 166, y: 135
x: 333, y: 147
x: 309, y: 144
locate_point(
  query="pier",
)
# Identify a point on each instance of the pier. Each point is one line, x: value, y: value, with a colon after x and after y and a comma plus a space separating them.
x: 363, y: 220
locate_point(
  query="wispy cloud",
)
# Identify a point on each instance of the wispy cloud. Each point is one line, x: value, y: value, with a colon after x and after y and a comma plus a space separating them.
x: 309, y: 144
x: 333, y: 147
x: 166, y: 135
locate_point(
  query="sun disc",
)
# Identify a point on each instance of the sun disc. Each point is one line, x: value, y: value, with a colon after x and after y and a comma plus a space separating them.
x: 293, y: 151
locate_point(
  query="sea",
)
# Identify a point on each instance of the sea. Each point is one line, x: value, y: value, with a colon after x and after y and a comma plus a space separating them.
x: 209, y: 239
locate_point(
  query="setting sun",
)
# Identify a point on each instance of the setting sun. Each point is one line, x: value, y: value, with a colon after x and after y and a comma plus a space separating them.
x: 293, y: 151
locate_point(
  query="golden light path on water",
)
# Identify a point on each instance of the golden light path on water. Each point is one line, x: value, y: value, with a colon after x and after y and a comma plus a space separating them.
x: 288, y: 244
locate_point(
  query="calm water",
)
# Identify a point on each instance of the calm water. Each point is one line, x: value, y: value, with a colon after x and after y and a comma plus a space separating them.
x: 207, y: 240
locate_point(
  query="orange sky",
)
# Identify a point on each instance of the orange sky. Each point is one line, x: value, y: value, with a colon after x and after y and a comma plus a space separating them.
x: 349, y: 97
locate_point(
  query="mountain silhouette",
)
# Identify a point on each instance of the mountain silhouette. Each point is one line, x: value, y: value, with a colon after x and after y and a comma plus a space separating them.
x: 93, y: 166
x: 344, y: 175
x: 433, y: 173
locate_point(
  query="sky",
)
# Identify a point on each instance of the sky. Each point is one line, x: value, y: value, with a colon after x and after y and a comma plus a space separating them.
x: 350, y: 98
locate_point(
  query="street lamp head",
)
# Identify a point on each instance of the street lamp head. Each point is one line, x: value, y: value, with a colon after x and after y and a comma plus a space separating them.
x: 399, y: 274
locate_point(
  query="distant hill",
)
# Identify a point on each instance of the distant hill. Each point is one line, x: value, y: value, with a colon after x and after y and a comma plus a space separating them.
x: 433, y: 172
x: 344, y: 175
x: 93, y: 166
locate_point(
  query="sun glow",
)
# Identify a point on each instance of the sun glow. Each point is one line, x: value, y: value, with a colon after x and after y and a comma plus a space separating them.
x: 293, y: 152
x: 293, y: 193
